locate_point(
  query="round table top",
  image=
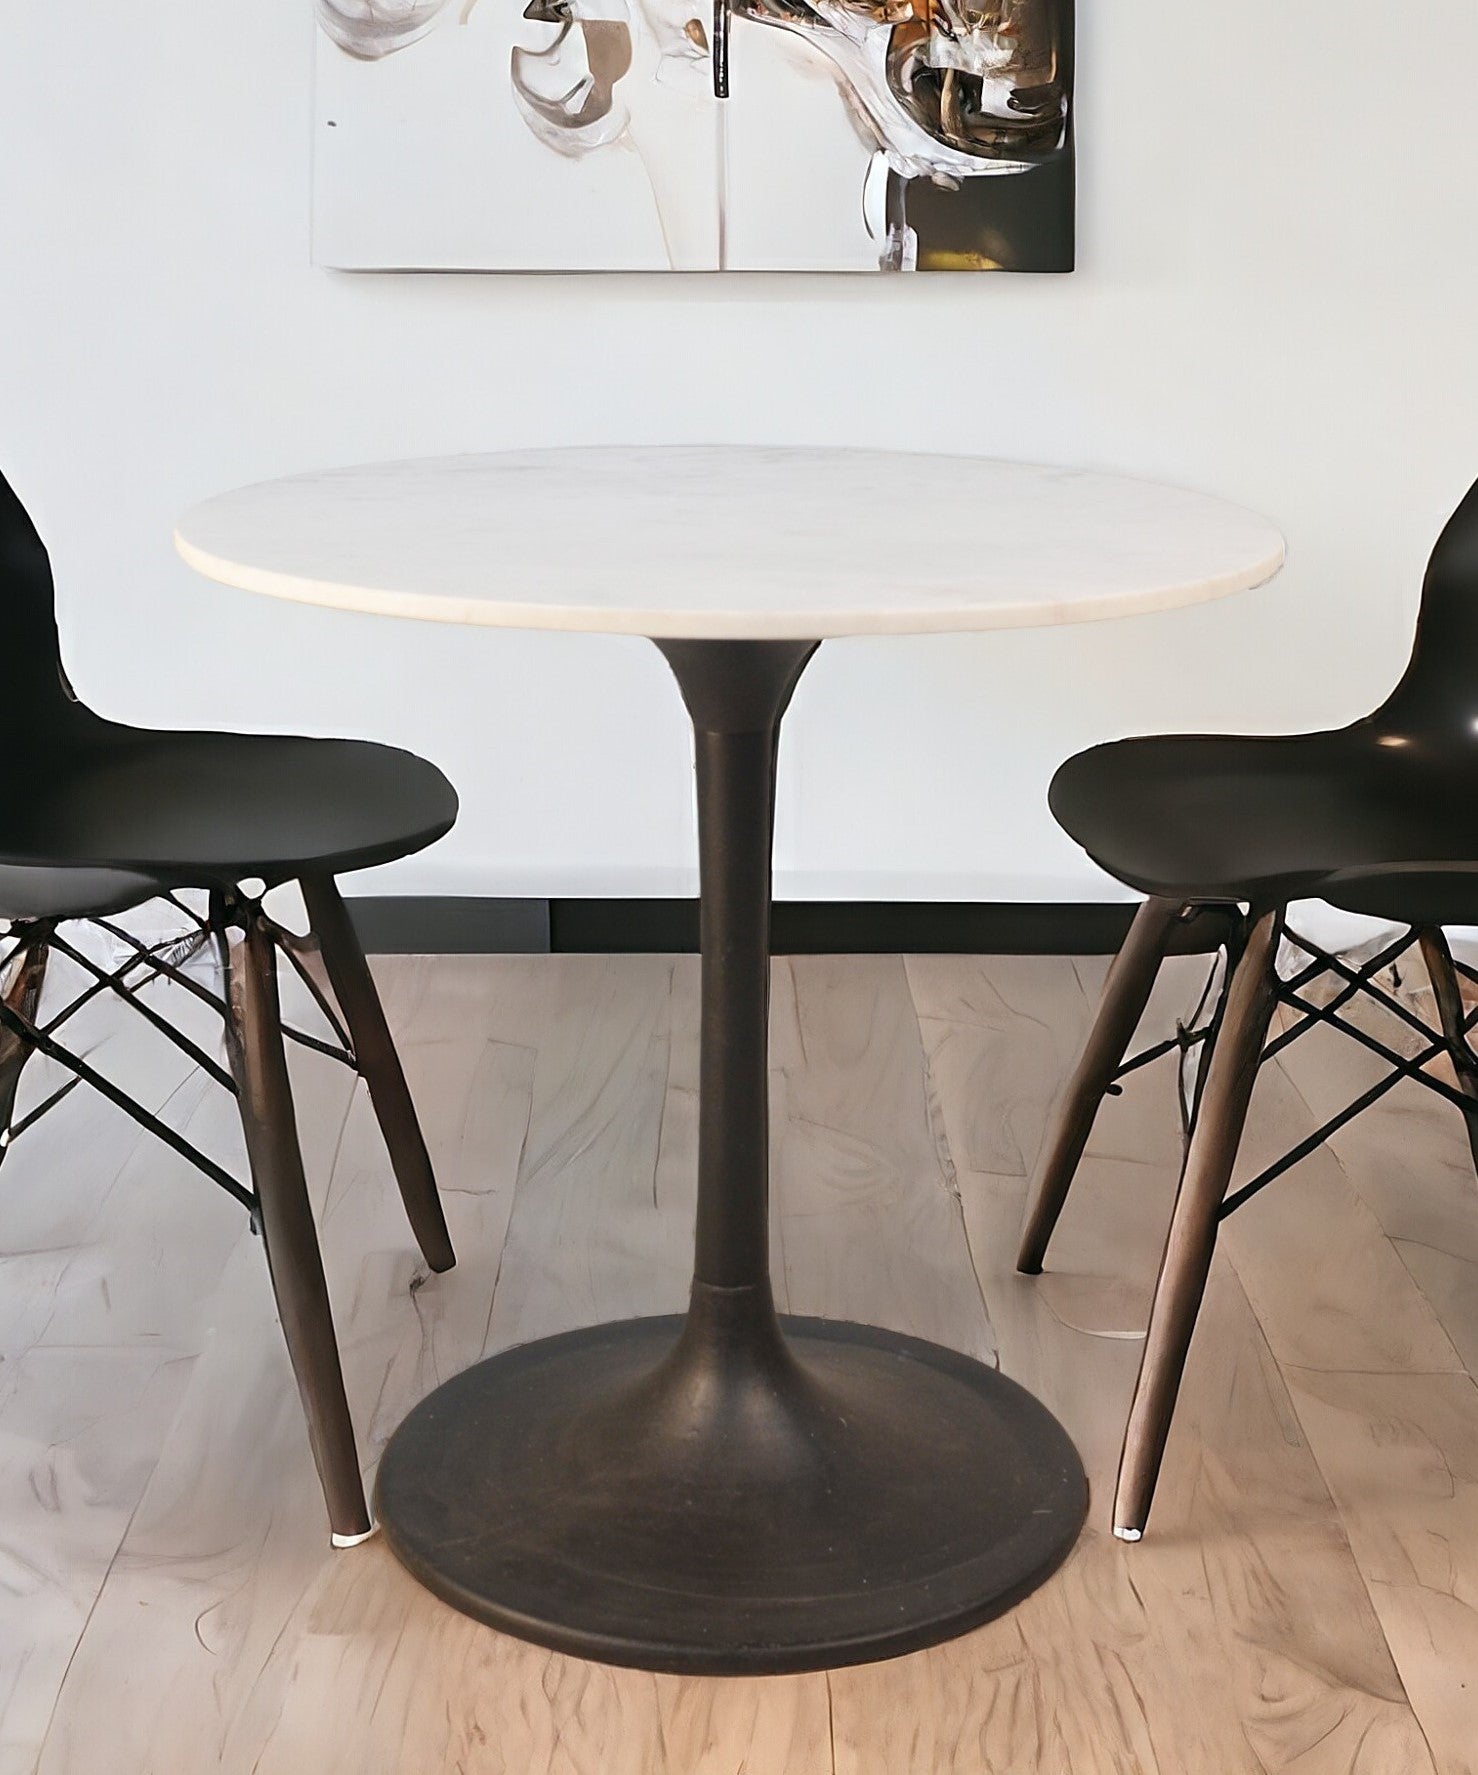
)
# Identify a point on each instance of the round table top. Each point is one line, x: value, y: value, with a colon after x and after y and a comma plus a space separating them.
x: 730, y: 543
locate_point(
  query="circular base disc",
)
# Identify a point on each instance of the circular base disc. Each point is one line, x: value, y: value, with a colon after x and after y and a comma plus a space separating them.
x: 861, y: 1495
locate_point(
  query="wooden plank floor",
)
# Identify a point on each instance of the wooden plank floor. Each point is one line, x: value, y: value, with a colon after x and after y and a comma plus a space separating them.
x: 1307, y: 1598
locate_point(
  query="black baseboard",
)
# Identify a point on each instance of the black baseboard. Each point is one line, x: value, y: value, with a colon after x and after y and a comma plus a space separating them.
x: 440, y: 925
x: 446, y: 924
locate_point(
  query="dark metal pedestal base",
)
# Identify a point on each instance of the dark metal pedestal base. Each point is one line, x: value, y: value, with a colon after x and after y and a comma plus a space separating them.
x: 723, y: 1501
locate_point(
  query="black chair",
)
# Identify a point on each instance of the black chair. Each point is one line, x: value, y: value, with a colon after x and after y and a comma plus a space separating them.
x: 1380, y: 817
x: 98, y: 817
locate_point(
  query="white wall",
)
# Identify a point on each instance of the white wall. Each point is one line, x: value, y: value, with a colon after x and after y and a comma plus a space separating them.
x: 1279, y: 254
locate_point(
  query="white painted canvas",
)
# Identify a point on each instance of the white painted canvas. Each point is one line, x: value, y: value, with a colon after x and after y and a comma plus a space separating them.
x: 642, y: 135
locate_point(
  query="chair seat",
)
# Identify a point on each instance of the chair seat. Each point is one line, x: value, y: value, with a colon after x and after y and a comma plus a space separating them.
x: 1419, y: 893
x: 70, y: 893
x: 197, y: 809
x: 1357, y: 815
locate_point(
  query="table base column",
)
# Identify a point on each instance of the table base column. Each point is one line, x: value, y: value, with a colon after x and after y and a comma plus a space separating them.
x: 732, y: 1493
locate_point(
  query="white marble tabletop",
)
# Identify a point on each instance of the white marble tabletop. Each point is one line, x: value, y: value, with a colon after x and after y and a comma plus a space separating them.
x: 730, y: 543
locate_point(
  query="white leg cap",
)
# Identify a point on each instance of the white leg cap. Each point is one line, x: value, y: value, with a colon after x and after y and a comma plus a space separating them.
x: 355, y: 1540
x: 1127, y: 1534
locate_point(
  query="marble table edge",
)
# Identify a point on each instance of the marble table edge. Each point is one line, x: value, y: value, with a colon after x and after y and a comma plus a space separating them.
x: 718, y: 625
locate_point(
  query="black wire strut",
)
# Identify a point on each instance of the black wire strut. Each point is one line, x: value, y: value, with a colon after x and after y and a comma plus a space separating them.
x: 1355, y: 983
x: 152, y: 961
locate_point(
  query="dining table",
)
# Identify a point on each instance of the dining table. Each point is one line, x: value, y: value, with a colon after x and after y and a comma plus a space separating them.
x: 732, y: 1490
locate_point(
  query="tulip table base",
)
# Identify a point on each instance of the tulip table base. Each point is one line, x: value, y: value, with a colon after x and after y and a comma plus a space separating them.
x: 732, y: 1492
x: 736, y: 1500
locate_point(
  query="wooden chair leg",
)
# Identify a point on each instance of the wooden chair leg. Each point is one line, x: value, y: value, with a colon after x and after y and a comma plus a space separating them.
x: 254, y: 1044
x: 1125, y: 994
x: 21, y: 989
x: 374, y: 1048
x: 1451, y: 1012
x: 1251, y: 995
x: 1232, y: 946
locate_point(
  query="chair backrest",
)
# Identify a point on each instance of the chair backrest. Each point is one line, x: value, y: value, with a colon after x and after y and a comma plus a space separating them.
x: 1438, y: 692
x: 35, y: 701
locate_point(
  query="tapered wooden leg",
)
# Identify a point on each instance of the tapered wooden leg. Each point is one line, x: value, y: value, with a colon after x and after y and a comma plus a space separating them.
x: 1251, y: 994
x: 1125, y: 994
x: 254, y: 1044
x: 1232, y: 945
x: 21, y: 989
x: 374, y: 1049
x: 1453, y: 1015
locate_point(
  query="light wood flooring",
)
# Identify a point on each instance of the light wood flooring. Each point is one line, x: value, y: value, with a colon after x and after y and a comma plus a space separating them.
x: 1307, y: 1597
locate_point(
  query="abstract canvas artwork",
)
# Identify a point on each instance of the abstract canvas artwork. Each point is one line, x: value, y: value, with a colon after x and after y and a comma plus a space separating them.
x: 695, y: 135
